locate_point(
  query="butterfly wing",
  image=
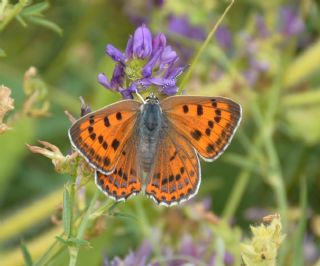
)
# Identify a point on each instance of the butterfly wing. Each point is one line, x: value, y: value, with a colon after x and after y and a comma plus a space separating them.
x: 100, y: 136
x: 175, y: 174
x: 125, y: 180
x: 208, y: 123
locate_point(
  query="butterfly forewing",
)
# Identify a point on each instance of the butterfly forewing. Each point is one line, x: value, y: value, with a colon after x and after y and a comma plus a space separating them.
x: 208, y: 123
x: 100, y: 136
x: 175, y: 175
x: 125, y: 180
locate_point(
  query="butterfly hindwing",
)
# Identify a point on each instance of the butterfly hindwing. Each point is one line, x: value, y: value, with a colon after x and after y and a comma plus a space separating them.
x: 208, y: 123
x: 100, y: 136
x: 175, y: 175
x: 125, y: 180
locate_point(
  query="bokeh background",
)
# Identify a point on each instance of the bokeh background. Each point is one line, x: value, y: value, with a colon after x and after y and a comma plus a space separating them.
x: 265, y: 55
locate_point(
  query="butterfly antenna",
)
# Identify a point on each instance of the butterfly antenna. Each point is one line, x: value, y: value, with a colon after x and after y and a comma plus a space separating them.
x: 140, y: 96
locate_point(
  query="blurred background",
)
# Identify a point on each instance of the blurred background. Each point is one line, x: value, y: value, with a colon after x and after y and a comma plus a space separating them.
x: 265, y: 55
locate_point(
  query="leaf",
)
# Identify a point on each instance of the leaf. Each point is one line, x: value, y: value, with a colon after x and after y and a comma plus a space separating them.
x: 79, y: 242
x: 74, y: 242
x: 22, y: 21
x: 62, y: 240
x: 35, y: 9
x: 124, y: 215
x: 67, y: 210
x: 26, y: 254
x: 46, y: 23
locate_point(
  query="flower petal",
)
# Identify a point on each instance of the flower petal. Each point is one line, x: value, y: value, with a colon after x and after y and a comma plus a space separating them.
x: 168, y: 56
x: 159, y: 41
x: 224, y: 37
x: 291, y: 23
x: 118, y: 76
x: 129, y: 51
x: 103, y: 80
x: 115, y: 54
x: 147, y: 69
x: 142, y: 42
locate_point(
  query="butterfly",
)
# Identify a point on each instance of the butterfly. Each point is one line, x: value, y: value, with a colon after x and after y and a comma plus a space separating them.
x: 155, y: 146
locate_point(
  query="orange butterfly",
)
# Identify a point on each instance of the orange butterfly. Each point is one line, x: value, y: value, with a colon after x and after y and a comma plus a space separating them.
x: 154, y: 146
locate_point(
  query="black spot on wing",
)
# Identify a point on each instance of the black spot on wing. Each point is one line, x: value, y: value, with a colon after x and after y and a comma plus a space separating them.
x: 185, y: 109
x: 199, y: 110
x: 115, y: 144
x: 119, y: 116
x: 196, y: 134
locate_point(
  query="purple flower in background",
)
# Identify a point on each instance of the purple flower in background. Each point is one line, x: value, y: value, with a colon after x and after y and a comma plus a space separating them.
x: 147, y: 61
x: 182, y: 26
x: 190, y: 250
x: 224, y: 37
x: 261, y: 27
x: 141, y: 12
x: 290, y: 22
x: 138, y: 258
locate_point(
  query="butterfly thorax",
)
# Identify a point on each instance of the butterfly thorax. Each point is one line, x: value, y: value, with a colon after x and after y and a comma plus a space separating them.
x: 149, y: 126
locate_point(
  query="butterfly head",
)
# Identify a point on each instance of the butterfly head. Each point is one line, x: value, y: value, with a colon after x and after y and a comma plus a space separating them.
x: 152, y: 99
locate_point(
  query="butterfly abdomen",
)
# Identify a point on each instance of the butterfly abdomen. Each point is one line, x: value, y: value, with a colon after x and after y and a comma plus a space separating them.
x: 149, y: 130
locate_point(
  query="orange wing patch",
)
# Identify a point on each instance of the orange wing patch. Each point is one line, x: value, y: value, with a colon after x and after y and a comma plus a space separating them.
x: 175, y: 176
x: 208, y: 123
x: 100, y: 136
x: 125, y: 180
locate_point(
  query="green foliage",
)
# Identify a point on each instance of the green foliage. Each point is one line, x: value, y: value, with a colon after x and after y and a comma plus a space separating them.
x: 26, y: 254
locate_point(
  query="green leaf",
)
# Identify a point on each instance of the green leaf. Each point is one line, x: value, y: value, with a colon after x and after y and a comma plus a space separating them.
x: 124, y: 215
x: 22, y: 21
x: 79, y: 242
x: 67, y: 209
x: 62, y: 240
x: 46, y: 23
x: 26, y: 255
x: 35, y: 9
x: 74, y: 241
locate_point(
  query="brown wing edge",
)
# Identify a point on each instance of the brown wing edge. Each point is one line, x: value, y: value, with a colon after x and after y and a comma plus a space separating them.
x: 111, y: 196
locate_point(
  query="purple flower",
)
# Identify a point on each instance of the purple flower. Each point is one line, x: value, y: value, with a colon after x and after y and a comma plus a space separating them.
x: 290, y: 22
x: 182, y: 26
x: 224, y: 37
x: 142, y: 42
x: 261, y: 27
x: 138, y: 258
x: 146, y: 62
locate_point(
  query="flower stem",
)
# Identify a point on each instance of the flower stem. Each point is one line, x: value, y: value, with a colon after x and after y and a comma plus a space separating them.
x: 204, y: 45
x: 146, y: 229
x: 74, y: 250
x: 13, y: 13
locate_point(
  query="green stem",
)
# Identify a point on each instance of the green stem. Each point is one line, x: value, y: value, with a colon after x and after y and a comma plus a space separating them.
x: 204, y: 45
x: 74, y: 250
x: 144, y: 225
x: 13, y: 13
x: 275, y: 179
x: 239, y: 187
